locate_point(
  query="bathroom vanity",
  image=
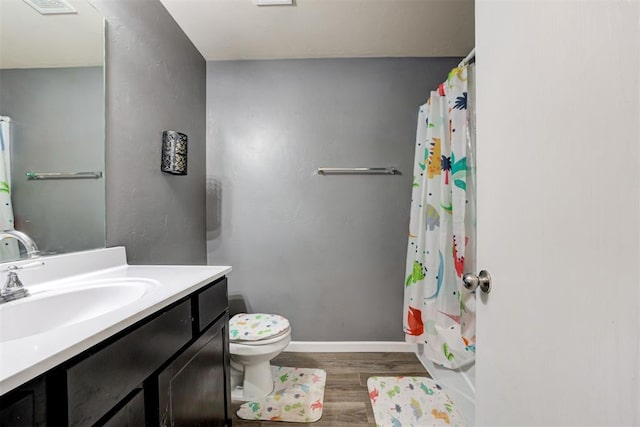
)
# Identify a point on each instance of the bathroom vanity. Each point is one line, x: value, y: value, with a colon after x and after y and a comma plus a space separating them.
x: 159, y: 359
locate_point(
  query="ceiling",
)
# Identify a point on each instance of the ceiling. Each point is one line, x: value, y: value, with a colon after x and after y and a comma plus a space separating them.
x: 31, y: 40
x: 239, y: 29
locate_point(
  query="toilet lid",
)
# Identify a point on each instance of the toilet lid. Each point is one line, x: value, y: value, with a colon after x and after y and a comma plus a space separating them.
x: 256, y: 326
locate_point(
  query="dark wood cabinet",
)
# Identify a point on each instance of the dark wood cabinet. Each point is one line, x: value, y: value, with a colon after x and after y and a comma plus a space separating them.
x: 98, y: 382
x: 192, y: 389
x: 171, y: 368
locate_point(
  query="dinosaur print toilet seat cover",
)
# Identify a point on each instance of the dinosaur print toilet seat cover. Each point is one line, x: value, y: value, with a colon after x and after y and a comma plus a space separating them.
x: 256, y: 326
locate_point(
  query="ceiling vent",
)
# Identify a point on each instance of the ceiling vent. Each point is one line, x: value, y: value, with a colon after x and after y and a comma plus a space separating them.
x: 274, y: 2
x: 51, y: 7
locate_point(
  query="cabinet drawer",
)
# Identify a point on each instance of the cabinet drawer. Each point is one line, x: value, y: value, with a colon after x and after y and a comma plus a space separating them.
x: 212, y: 302
x: 97, y: 383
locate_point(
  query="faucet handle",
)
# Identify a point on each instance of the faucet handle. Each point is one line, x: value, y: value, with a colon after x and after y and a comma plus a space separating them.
x: 26, y: 266
x: 13, y: 288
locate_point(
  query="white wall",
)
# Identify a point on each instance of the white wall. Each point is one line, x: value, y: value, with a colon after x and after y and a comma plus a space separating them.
x: 559, y: 107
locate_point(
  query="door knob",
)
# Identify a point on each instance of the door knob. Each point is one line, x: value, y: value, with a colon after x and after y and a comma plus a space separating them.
x: 483, y: 279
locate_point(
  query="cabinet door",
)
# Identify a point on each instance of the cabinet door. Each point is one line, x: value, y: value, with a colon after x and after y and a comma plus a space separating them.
x: 193, y: 388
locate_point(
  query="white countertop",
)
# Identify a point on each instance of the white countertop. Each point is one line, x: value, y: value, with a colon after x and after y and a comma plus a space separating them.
x: 25, y: 358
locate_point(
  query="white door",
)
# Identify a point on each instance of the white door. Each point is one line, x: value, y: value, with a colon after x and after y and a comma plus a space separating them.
x: 558, y: 136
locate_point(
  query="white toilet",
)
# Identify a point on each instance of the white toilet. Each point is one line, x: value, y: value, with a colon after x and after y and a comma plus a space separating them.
x: 255, y: 339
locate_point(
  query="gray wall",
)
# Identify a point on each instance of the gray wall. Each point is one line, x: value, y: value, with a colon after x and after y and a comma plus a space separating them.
x: 57, y: 125
x: 327, y: 252
x: 155, y: 81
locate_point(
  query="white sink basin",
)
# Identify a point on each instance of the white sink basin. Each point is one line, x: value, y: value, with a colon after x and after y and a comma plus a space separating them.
x: 55, y: 308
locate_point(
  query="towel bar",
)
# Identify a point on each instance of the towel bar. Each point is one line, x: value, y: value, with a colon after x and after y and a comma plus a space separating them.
x: 63, y: 175
x: 365, y: 170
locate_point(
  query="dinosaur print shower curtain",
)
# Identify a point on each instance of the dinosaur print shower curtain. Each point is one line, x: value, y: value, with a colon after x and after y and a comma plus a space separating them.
x: 438, y: 311
x: 9, y: 247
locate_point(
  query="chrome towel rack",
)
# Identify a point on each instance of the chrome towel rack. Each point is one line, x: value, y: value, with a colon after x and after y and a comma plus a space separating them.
x: 63, y: 175
x: 367, y: 171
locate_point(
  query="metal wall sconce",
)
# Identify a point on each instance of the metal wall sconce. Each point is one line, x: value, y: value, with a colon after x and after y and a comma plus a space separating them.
x: 174, y: 152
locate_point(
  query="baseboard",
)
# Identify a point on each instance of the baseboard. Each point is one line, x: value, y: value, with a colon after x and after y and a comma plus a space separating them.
x: 351, y: 347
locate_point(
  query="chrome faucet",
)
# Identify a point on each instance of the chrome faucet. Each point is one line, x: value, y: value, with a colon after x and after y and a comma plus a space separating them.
x: 28, y: 243
x: 13, y: 288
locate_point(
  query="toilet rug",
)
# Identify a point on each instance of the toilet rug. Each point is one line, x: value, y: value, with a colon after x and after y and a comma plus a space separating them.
x: 256, y: 326
x: 297, y: 397
x: 411, y: 401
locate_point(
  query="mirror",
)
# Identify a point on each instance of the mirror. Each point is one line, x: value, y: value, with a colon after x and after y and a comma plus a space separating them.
x: 52, y: 108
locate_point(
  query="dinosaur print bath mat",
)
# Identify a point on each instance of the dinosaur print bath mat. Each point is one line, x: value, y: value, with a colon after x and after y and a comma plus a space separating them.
x: 411, y: 401
x: 297, y: 397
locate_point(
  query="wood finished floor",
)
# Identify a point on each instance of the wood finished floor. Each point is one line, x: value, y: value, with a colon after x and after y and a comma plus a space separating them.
x: 346, y: 399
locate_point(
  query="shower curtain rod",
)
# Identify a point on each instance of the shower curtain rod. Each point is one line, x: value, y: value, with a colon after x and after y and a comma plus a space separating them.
x: 467, y: 59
